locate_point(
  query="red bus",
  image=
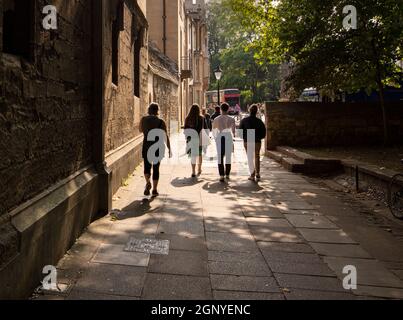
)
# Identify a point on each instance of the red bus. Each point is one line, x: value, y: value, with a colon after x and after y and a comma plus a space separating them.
x: 230, y: 96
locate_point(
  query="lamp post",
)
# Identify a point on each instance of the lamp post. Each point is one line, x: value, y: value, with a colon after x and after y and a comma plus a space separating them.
x: 218, y: 75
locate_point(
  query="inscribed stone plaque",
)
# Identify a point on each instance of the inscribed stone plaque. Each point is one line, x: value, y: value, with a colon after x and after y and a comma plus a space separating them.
x: 150, y: 246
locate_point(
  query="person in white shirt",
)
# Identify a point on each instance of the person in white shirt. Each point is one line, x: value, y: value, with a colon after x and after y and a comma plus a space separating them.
x: 224, y: 132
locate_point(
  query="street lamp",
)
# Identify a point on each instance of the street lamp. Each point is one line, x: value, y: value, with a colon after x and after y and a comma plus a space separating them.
x: 218, y: 75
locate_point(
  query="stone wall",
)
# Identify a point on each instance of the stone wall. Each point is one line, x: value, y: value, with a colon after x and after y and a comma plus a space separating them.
x: 45, y: 106
x: 48, y: 194
x: 165, y: 87
x: 68, y: 136
x: 123, y: 108
x: 330, y: 124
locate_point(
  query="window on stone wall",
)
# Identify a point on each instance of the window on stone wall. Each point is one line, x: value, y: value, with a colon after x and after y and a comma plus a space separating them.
x: 18, y: 25
x: 115, y: 51
x: 136, y: 61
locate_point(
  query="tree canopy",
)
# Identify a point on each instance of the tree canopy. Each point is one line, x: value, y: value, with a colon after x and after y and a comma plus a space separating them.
x: 229, y: 47
x: 322, y: 53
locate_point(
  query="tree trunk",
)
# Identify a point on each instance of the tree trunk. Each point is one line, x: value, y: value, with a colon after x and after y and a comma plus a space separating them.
x: 381, y: 89
x: 384, y: 115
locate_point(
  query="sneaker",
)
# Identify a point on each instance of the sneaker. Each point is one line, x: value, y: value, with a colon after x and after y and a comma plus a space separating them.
x: 258, y: 178
x: 147, y: 189
x: 227, y: 177
x: 251, y: 178
x: 222, y: 179
x: 155, y: 193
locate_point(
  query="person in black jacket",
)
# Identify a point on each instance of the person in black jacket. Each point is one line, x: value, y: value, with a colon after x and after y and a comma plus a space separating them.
x: 216, y: 113
x: 207, y: 118
x: 253, y: 123
x: 147, y: 124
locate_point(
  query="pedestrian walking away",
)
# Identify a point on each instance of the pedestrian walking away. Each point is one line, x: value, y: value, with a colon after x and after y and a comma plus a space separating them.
x: 224, y: 132
x: 206, y: 132
x: 152, y: 162
x: 194, y: 126
x: 207, y: 118
x: 216, y: 113
x: 253, y: 132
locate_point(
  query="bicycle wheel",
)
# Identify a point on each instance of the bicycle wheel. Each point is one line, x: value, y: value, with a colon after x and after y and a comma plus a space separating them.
x: 395, y: 196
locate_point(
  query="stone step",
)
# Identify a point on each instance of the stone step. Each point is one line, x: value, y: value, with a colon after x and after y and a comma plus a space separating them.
x: 277, y: 156
x: 313, y: 165
x: 294, y: 153
x: 293, y: 165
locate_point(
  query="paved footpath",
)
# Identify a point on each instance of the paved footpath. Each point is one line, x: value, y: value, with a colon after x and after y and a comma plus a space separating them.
x: 284, y: 238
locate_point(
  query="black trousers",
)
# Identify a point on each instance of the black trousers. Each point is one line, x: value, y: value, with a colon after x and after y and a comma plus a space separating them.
x: 223, y: 168
x: 155, y: 168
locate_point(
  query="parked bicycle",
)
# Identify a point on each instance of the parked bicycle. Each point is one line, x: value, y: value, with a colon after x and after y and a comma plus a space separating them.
x: 395, y: 195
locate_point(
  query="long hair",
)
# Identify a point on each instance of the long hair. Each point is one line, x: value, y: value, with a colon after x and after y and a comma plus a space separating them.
x: 193, y: 116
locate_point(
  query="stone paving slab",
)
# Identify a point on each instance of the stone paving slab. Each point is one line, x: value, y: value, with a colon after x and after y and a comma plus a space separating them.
x: 244, y: 283
x: 226, y: 226
x: 340, y: 250
x: 189, y: 228
x: 275, y: 234
x: 79, y: 295
x: 246, y: 296
x: 309, y: 258
x: 184, y: 243
x: 190, y: 263
x: 120, y: 232
x: 114, y: 254
x: 380, y: 292
x: 226, y: 256
x: 369, y: 272
x: 312, y: 222
x: 289, y: 205
x: 298, y: 294
x: 300, y: 212
x: 116, y: 237
x: 261, y: 212
x: 240, y: 268
x: 117, y: 280
x: 379, y: 243
x: 286, y: 247
x: 326, y: 236
x: 230, y: 242
x: 176, y: 287
x: 290, y: 281
x: 268, y: 222
x: 310, y: 269
x: 223, y: 215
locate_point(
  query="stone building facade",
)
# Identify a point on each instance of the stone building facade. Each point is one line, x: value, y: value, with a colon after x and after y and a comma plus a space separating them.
x: 70, y: 106
x: 178, y: 29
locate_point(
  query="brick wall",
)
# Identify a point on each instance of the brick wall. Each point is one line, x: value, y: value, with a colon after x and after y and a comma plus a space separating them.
x: 325, y: 124
x: 45, y: 106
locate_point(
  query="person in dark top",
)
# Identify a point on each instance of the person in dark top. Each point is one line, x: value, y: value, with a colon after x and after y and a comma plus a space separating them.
x: 253, y: 123
x: 207, y: 118
x: 194, y: 148
x: 147, y: 124
x: 216, y: 114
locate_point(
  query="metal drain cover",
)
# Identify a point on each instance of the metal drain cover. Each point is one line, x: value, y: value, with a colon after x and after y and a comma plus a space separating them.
x: 150, y: 246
